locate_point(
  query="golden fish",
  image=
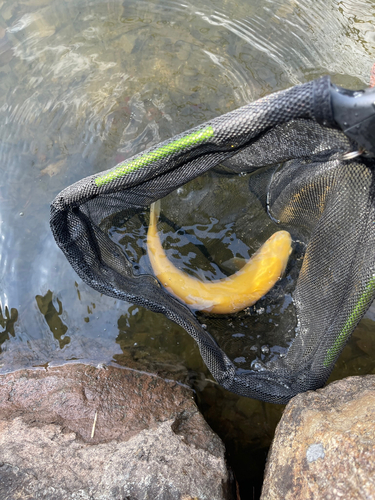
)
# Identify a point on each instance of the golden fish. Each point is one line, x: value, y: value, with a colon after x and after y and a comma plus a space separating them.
x: 227, y: 295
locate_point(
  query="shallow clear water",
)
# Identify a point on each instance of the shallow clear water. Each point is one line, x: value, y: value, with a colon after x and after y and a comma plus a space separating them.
x: 85, y: 84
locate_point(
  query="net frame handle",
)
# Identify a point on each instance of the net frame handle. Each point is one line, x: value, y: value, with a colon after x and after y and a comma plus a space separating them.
x: 354, y: 113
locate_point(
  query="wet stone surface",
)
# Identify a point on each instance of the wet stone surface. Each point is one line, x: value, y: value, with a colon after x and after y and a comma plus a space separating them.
x: 78, y: 431
x: 324, y: 445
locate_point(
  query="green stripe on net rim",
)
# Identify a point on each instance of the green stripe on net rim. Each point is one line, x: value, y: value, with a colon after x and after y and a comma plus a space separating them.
x: 159, y: 153
x: 350, y: 323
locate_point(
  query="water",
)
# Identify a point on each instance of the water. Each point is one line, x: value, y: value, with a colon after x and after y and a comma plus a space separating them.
x: 86, y: 84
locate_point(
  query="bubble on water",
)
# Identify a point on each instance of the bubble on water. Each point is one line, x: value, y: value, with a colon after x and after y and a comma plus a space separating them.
x: 180, y: 191
x: 265, y: 349
x: 21, y: 214
x: 255, y: 365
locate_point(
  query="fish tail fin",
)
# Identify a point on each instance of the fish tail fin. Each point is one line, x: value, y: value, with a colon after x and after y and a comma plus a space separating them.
x: 154, y: 212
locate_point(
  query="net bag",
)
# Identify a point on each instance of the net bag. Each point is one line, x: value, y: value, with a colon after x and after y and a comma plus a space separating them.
x: 306, y: 158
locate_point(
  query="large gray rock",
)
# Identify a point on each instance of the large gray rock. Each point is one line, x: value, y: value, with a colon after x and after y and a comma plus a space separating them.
x: 149, y: 442
x: 324, y: 446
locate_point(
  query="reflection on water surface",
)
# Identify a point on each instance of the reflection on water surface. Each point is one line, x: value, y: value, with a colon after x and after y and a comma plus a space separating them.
x: 85, y: 84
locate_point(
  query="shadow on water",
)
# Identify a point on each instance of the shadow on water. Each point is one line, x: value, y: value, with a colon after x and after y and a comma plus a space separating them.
x: 52, y: 315
x: 246, y: 426
x: 86, y: 84
x: 7, y: 321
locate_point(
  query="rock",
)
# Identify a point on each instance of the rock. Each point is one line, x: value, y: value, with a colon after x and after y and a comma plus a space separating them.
x: 324, y: 446
x: 149, y: 439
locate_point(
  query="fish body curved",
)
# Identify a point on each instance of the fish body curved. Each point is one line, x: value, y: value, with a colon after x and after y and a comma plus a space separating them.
x: 227, y: 295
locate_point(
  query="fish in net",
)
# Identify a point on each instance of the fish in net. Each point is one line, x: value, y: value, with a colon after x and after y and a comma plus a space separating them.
x: 297, y: 163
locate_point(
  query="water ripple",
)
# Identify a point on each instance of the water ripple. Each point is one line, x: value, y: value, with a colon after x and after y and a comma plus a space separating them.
x: 85, y: 85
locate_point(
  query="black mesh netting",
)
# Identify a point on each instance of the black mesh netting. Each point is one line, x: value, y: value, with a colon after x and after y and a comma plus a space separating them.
x: 289, y: 154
